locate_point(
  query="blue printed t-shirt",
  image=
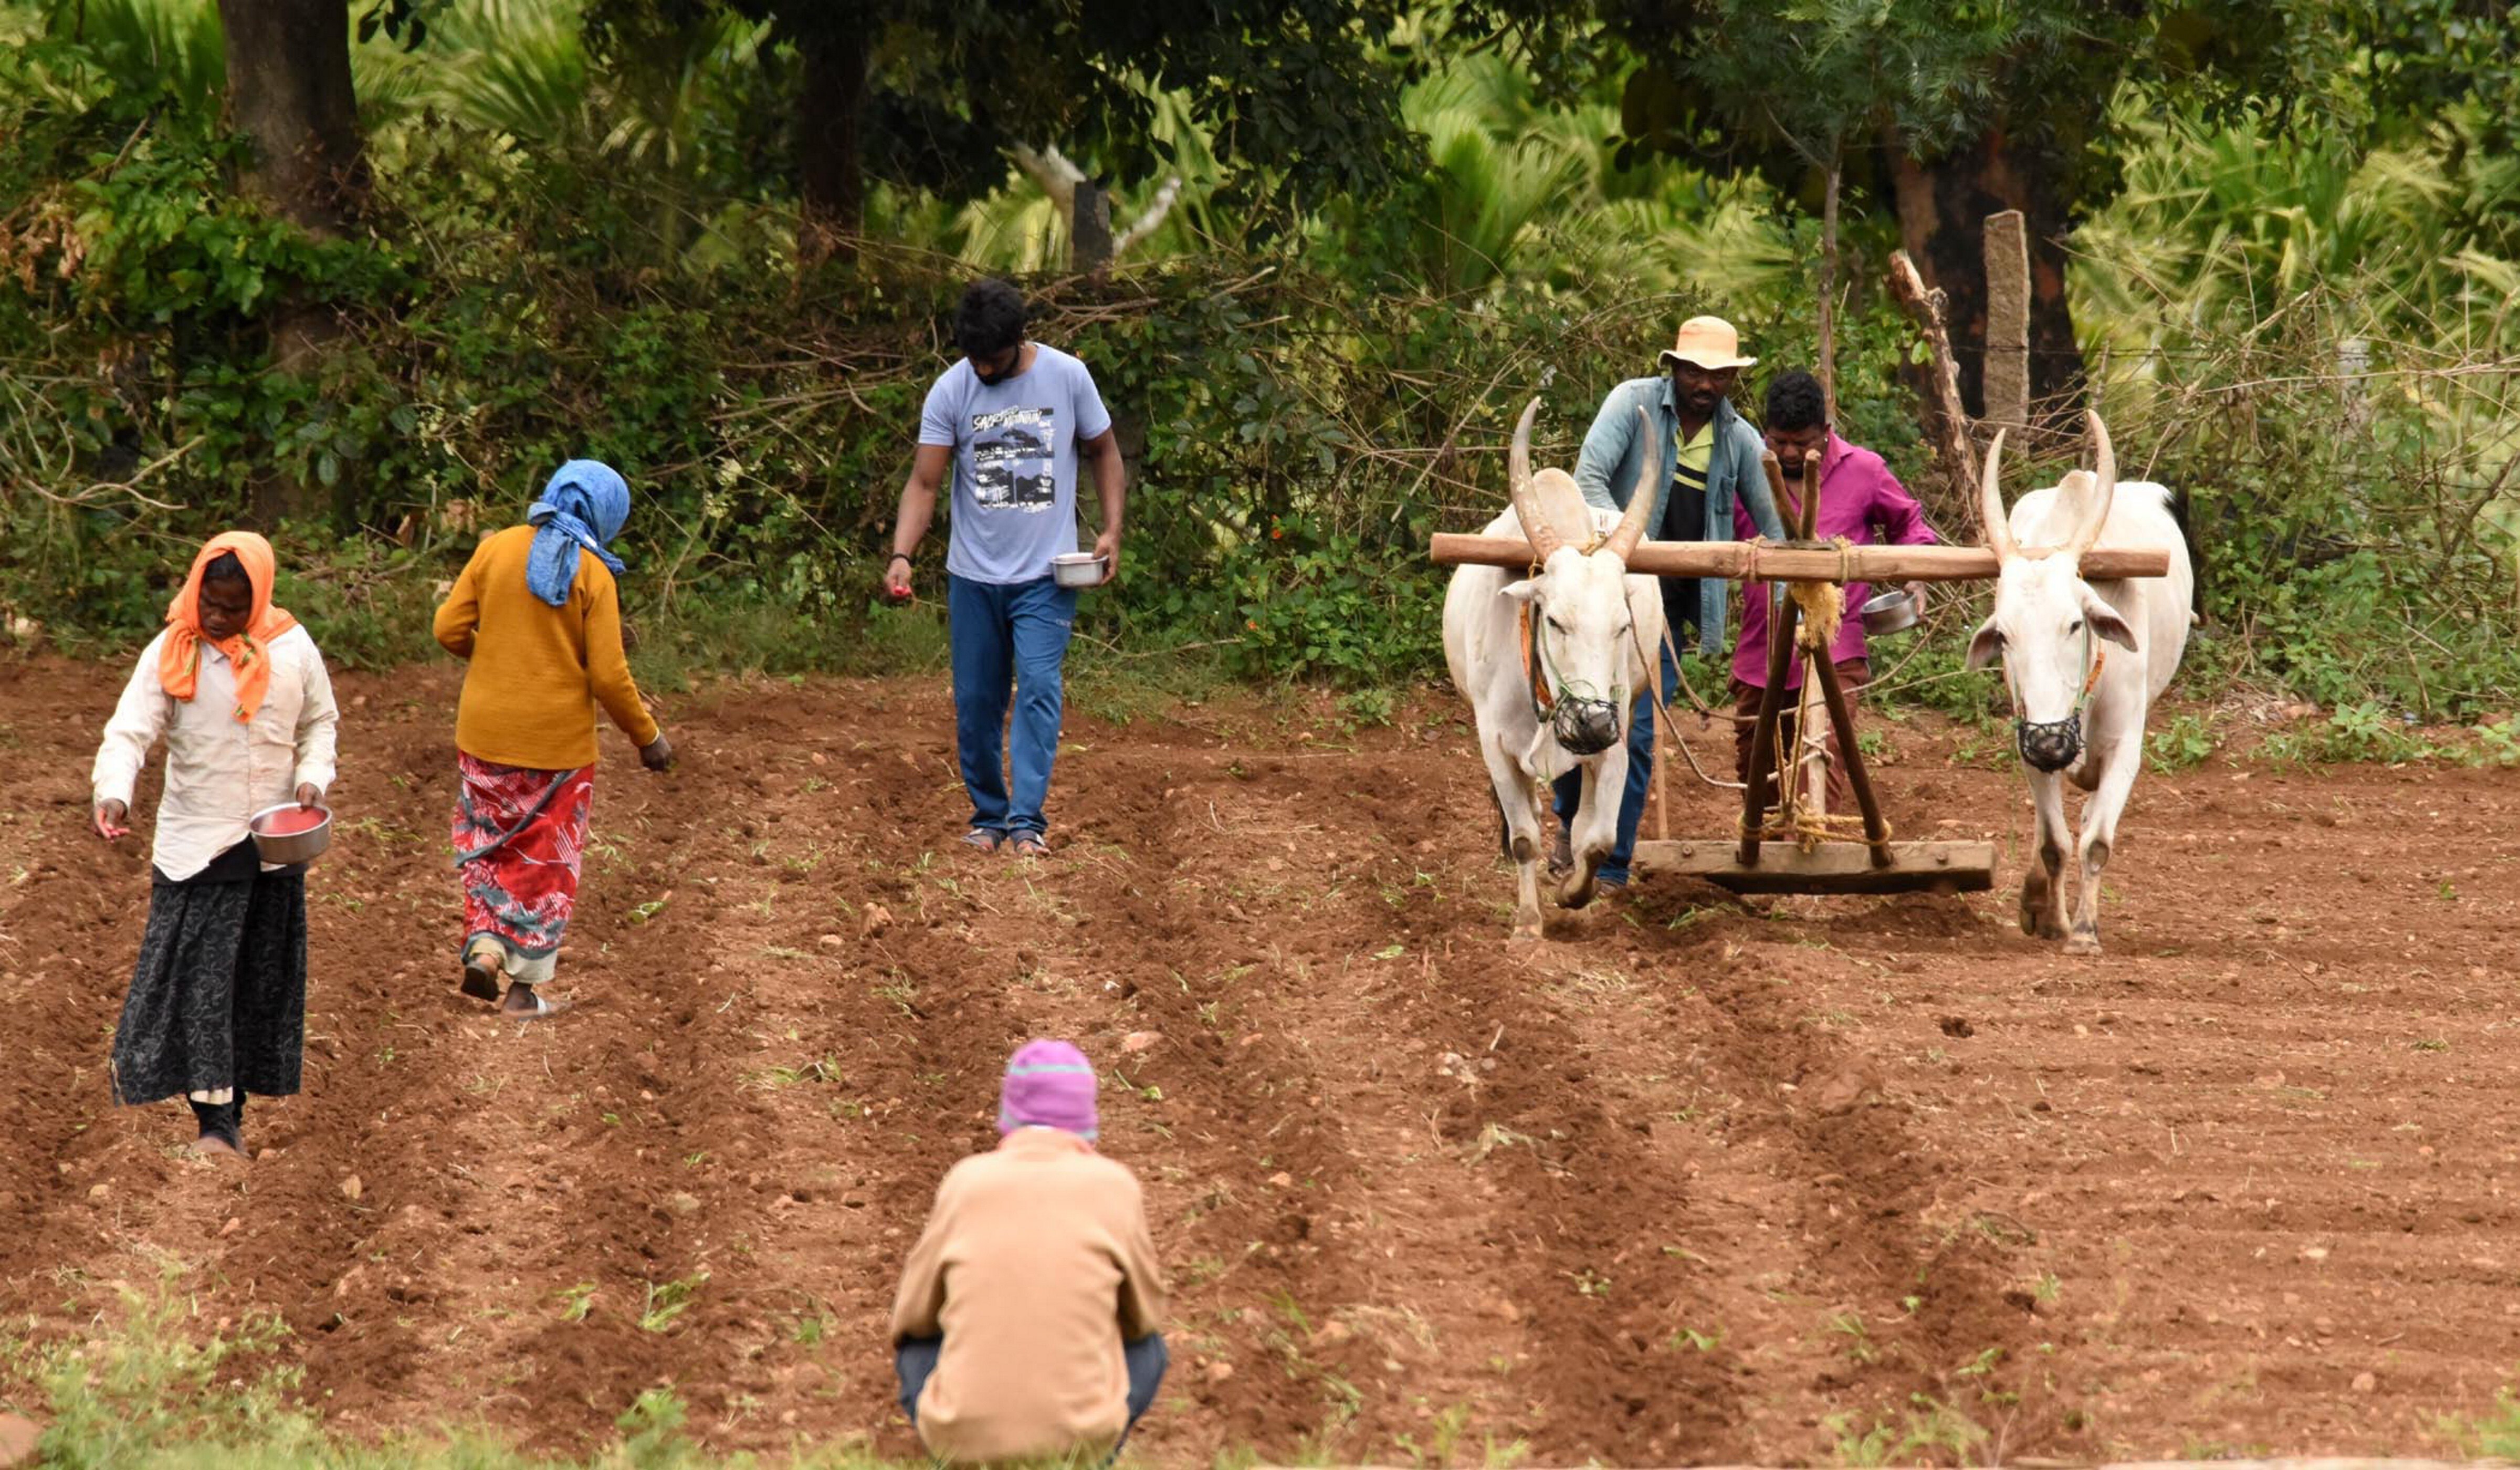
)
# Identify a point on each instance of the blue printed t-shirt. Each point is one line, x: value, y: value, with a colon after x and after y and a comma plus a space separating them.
x: 1014, y: 462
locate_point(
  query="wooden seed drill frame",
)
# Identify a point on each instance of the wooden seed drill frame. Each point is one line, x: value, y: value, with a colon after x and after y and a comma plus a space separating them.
x: 1876, y: 865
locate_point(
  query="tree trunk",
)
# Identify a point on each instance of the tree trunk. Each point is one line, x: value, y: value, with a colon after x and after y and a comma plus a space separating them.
x: 1089, y: 228
x: 830, y: 140
x: 289, y: 94
x: 288, y: 91
x: 1943, y: 205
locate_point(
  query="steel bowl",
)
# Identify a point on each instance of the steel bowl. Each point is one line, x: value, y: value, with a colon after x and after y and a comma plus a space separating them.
x: 1077, y: 569
x: 290, y: 833
x: 1892, y: 611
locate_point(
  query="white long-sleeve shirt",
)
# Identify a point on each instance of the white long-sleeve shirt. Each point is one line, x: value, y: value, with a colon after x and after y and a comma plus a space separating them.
x: 219, y: 769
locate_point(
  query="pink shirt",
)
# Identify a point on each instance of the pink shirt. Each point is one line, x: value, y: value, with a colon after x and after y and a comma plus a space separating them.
x: 1860, y: 499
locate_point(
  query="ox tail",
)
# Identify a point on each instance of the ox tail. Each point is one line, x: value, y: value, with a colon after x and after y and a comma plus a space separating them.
x: 2181, y: 515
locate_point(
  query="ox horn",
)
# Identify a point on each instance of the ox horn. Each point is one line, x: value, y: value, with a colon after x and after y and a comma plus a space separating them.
x: 1998, y: 530
x: 1641, y: 500
x: 2103, y: 490
x: 1545, y: 540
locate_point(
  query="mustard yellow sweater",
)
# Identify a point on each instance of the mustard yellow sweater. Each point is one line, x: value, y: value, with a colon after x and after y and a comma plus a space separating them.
x: 537, y: 671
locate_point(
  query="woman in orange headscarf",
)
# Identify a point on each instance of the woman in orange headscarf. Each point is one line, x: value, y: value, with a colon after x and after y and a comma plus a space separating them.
x: 239, y: 694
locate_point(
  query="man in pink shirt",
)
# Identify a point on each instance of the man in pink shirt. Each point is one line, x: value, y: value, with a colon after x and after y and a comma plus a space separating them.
x: 1860, y: 499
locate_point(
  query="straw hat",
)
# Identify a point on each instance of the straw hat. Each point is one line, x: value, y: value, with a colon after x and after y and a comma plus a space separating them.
x: 1710, y: 343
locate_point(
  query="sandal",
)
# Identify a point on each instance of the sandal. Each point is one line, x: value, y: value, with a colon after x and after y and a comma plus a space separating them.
x: 482, y: 971
x: 544, y: 1010
x: 1031, y: 845
x: 987, y: 839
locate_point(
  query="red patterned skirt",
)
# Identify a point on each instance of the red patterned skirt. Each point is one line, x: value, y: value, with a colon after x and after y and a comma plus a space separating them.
x: 519, y: 838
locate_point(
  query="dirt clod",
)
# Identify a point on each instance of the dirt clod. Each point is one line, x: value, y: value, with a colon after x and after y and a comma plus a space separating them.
x: 1683, y: 1185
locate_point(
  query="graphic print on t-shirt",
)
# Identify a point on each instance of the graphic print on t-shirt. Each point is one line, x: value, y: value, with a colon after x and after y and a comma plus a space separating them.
x: 1011, y: 458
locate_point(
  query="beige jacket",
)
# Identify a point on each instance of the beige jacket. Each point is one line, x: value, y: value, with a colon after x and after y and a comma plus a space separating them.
x: 1036, y: 1264
x: 219, y: 769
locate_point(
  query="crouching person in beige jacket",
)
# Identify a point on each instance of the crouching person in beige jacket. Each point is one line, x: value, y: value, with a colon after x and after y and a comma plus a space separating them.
x: 1025, y: 1324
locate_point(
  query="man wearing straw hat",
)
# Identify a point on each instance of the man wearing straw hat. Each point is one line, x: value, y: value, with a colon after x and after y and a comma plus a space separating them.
x: 1705, y: 460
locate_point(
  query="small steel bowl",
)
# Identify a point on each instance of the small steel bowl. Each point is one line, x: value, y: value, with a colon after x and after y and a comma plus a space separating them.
x: 1892, y: 611
x: 1076, y: 569
x: 290, y: 833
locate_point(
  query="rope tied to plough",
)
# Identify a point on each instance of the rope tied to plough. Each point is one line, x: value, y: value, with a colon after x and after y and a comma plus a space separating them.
x: 1822, y: 604
x: 1800, y: 817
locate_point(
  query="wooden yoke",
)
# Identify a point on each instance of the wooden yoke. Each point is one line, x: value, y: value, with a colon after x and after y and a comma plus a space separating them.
x: 1768, y: 562
x: 1808, y: 864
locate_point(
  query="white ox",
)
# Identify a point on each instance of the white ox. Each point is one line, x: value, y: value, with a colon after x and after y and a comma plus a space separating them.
x: 2078, y: 706
x: 1590, y: 625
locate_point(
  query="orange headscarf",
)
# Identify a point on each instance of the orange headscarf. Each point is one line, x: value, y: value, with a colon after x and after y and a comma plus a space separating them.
x: 179, y: 663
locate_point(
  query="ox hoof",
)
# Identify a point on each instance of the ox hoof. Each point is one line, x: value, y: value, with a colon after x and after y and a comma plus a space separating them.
x: 1577, y: 891
x: 2083, y: 942
x: 1525, y: 934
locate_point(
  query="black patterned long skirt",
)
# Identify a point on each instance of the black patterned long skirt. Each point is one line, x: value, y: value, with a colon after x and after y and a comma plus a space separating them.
x: 218, y: 998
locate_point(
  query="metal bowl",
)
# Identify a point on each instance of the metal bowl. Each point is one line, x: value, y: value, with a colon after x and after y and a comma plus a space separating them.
x: 1077, y: 569
x: 1892, y: 611
x: 281, y: 833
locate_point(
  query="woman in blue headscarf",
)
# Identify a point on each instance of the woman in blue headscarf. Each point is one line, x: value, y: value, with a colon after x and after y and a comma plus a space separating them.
x: 538, y: 615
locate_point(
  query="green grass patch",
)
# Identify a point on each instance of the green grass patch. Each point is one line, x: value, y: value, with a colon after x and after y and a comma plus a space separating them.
x: 160, y: 1389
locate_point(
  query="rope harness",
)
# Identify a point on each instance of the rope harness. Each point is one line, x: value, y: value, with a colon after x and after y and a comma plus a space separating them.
x: 1801, y: 817
x: 1571, y: 716
x: 2053, y: 744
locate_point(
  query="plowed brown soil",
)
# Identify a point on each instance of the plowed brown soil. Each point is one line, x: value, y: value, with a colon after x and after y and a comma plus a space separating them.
x: 1696, y: 1180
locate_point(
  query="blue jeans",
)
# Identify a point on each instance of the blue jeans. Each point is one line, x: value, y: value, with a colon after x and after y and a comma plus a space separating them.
x: 1613, y: 872
x: 1015, y: 633
x: 913, y: 1359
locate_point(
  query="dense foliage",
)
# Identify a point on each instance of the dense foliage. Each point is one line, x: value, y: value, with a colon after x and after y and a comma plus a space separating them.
x: 569, y: 254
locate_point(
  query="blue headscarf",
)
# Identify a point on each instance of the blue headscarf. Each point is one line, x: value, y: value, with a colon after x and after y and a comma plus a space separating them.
x: 583, y: 506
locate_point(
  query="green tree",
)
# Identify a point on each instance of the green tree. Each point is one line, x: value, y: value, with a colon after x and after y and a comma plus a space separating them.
x: 1942, y: 112
x: 1299, y: 99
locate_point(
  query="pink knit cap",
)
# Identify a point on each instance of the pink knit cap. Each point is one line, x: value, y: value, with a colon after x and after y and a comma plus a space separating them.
x: 1048, y: 1084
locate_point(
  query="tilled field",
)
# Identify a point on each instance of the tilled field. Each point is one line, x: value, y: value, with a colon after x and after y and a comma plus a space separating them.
x: 1695, y: 1180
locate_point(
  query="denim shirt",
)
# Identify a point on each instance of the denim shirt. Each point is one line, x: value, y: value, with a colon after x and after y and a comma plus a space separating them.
x: 1607, y: 469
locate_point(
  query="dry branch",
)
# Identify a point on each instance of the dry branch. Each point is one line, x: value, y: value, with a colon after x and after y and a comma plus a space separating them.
x: 1945, y: 421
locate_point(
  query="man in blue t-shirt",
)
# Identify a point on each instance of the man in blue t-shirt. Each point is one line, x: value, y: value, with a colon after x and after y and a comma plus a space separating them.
x: 1011, y: 419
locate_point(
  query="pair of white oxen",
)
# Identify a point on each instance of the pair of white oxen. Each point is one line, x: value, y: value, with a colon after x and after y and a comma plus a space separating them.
x: 1550, y: 665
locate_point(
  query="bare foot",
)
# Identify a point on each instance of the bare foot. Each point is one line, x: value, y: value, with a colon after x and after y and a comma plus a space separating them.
x: 213, y: 1146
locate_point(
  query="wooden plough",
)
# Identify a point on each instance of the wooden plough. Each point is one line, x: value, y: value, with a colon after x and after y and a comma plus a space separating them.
x: 1783, y: 852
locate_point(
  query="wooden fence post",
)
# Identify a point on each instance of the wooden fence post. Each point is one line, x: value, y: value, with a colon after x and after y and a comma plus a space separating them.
x: 2007, y: 321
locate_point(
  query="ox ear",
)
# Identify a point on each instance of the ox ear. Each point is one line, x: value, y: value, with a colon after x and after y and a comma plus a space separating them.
x: 1521, y: 591
x: 1987, y: 647
x: 2105, y: 621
